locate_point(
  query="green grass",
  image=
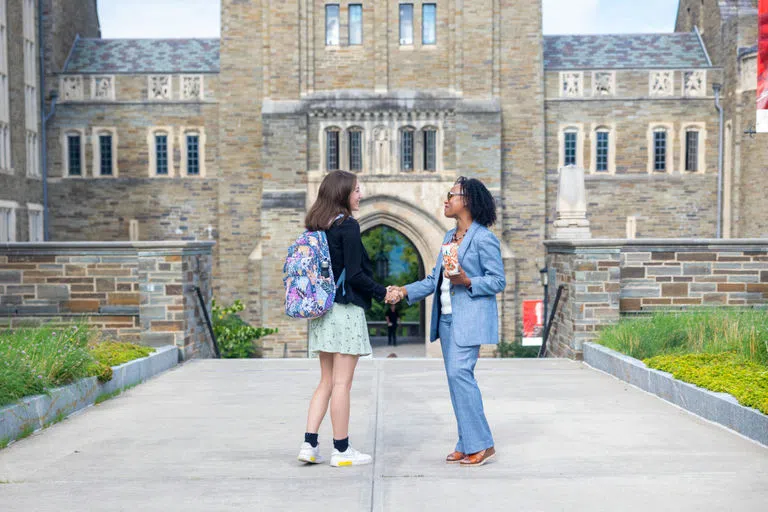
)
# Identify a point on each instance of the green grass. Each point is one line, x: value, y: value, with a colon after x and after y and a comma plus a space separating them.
x: 36, y: 359
x: 4, y: 442
x: 720, y: 350
x: 25, y: 432
x: 714, y: 331
x: 106, y: 396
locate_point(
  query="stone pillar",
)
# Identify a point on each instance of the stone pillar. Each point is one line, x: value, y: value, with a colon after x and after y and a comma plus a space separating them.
x: 170, y: 311
x: 571, y: 220
x: 590, y: 299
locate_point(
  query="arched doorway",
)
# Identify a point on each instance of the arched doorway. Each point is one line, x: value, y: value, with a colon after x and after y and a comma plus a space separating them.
x: 396, y: 261
x: 424, y: 230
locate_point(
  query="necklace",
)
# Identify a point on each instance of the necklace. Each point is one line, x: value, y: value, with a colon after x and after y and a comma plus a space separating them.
x: 456, y: 238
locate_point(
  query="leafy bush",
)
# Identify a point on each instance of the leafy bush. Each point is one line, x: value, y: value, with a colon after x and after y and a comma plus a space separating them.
x: 726, y: 372
x: 112, y: 353
x: 236, y: 338
x: 504, y: 349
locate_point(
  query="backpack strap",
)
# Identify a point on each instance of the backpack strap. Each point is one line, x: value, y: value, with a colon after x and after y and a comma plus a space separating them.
x: 340, y: 282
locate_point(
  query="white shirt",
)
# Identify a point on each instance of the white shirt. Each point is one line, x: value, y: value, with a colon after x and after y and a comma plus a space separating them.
x: 445, y: 297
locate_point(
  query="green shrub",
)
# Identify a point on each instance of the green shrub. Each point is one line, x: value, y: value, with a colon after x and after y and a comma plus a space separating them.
x: 236, y: 338
x: 113, y: 353
x: 726, y: 372
x: 504, y: 349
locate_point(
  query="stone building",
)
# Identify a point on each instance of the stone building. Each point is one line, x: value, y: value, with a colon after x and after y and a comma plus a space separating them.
x: 229, y: 139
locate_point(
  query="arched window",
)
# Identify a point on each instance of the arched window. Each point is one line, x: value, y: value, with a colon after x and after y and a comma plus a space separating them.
x: 74, y: 153
x: 659, y: 150
x: 407, y: 148
x: 602, y: 149
x: 429, y: 135
x: 104, y: 152
x: 570, y: 147
x: 355, y: 148
x: 161, y: 151
x: 332, y: 149
x: 193, y: 152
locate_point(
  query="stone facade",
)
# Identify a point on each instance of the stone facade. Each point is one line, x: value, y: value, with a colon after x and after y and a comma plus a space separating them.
x: 142, y: 292
x: 604, y: 279
x: 492, y: 98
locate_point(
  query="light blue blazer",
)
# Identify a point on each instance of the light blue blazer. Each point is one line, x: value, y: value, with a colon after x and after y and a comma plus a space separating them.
x: 474, y: 310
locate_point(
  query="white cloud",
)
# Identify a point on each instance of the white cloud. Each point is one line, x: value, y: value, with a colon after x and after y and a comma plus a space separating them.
x: 570, y: 16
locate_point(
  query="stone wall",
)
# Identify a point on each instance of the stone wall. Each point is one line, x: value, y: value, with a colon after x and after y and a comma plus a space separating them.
x: 139, y: 292
x: 606, y: 278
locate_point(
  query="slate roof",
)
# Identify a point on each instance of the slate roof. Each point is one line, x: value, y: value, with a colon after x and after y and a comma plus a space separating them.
x: 144, y: 56
x: 622, y: 51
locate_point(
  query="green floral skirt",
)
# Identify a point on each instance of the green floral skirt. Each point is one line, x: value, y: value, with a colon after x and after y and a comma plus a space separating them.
x: 341, y: 330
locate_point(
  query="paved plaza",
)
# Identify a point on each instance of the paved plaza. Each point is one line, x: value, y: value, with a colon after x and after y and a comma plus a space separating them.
x: 223, y: 435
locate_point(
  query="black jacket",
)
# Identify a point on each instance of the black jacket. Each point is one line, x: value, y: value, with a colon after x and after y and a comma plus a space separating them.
x: 348, y: 252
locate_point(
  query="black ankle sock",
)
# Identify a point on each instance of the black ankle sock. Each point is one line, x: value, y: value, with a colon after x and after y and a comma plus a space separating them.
x: 311, y: 439
x: 341, y: 444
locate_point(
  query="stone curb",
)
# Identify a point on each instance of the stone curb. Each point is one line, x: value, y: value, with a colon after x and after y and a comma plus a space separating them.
x: 720, y: 408
x: 40, y: 410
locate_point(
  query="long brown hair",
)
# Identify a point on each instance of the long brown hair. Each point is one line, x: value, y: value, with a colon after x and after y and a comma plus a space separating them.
x: 332, y: 200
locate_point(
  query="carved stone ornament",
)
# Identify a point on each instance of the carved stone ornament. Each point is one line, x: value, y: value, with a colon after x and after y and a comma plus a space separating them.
x: 381, y: 149
x: 662, y: 83
x: 102, y: 88
x: 604, y: 84
x: 571, y: 85
x: 694, y: 83
x: 160, y: 87
x: 72, y: 88
x: 191, y: 87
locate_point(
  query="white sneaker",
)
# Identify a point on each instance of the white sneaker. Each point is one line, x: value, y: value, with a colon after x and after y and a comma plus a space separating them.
x: 350, y: 457
x: 309, y: 454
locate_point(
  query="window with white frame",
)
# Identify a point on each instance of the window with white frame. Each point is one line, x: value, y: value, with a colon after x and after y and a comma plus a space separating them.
x: 5, y: 111
x: 430, y: 148
x: 104, y: 152
x: 332, y: 24
x: 332, y: 149
x: 569, y: 148
x: 429, y: 24
x: 406, y: 24
x: 602, y: 149
x: 355, y: 147
x: 406, y: 149
x: 355, y: 24
x: 160, y: 141
x: 570, y: 145
x: 692, y: 139
x: 193, y: 152
x: 660, y: 138
x: 35, y: 216
x: 30, y: 87
x: 8, y: 221
x: 73, y: 152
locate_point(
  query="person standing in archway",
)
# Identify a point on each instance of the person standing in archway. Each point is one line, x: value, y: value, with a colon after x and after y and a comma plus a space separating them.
x: 340, y: 336
x: 464, y: 312
x: 392, y: 319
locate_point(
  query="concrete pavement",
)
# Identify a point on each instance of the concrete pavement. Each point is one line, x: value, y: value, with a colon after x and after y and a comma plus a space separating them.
x: 223, y: 435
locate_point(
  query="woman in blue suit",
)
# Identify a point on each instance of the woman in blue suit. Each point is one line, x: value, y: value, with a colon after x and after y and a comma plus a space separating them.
x: 464, y: 312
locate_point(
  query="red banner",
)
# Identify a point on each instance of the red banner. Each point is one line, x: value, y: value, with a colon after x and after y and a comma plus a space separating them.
x: 762, y: 66
x: 533, y: 322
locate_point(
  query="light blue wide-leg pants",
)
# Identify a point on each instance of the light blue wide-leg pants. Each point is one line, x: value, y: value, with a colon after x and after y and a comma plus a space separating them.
x: 474, y: 432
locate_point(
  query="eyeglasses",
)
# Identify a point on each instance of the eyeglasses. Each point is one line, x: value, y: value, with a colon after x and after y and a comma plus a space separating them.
x: 451, y: 194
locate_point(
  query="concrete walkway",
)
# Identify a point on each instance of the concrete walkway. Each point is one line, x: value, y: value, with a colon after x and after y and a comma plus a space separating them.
x: 223, y: 435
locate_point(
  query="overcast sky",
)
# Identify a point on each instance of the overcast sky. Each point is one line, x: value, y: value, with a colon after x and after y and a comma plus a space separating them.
x: 201, y: 18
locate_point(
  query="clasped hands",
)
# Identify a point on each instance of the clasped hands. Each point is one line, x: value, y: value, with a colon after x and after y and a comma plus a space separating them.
x: 397, y: 293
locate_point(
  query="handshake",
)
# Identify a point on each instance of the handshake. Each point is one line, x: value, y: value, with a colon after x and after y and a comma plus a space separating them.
x: 395, y: 294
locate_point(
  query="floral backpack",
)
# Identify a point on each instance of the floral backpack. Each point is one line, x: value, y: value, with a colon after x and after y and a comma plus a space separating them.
x: 308, y: 277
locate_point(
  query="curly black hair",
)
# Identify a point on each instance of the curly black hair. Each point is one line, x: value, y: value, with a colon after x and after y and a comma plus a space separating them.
x: 479, y: 200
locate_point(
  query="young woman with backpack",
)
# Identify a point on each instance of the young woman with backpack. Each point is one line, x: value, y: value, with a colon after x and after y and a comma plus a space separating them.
x: 340, y: 336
